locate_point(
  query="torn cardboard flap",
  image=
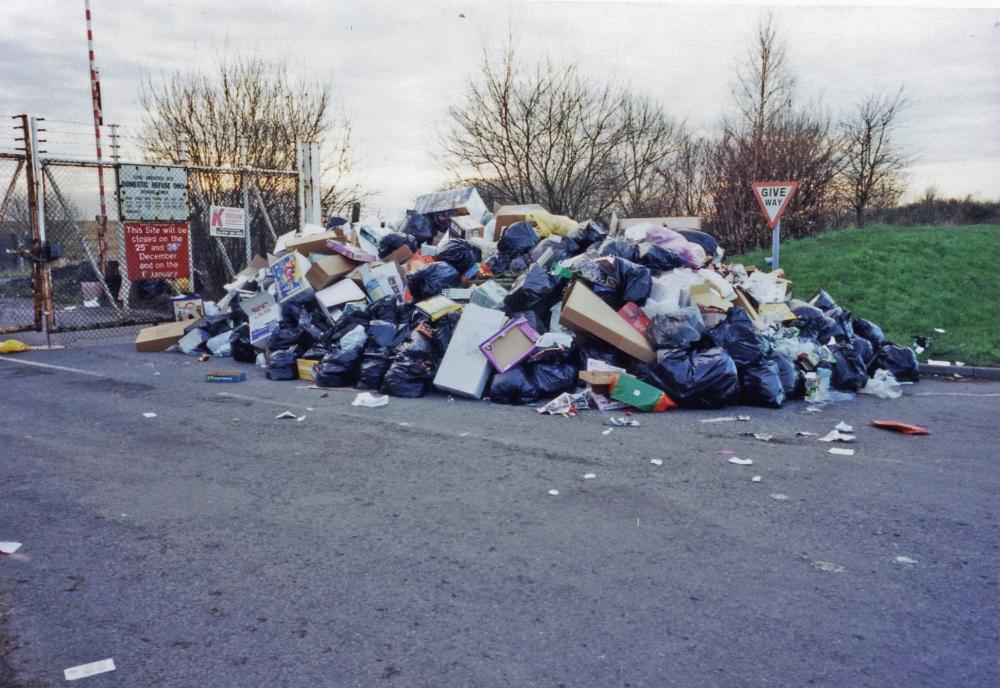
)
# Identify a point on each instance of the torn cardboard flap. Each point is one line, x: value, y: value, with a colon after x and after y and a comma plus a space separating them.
x: 583, y: 311
x: 313, y: 243
x: 437, y: 306
x: 506, y: 215
x: 328, y: 269
x: 705, y: 295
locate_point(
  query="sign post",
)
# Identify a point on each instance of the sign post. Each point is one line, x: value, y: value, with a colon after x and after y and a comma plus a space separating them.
x: 773, y: 198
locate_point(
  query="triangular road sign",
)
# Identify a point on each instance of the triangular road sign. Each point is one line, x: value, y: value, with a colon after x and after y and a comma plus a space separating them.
x: 773, y: 198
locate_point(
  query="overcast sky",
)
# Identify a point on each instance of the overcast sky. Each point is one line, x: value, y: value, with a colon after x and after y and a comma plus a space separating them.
x: 395, y: 66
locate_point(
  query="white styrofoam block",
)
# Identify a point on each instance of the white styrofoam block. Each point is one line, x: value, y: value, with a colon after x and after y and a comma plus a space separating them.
x: 464, y: 370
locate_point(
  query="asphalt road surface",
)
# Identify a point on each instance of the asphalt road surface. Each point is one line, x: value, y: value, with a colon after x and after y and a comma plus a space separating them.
x: 418, y: 545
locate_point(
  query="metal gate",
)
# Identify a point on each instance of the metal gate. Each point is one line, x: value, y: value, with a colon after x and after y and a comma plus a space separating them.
x: 49, y: 202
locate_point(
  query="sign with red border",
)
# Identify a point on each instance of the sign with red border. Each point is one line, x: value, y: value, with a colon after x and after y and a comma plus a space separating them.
x: 773, y: 198
x: 157, y: 250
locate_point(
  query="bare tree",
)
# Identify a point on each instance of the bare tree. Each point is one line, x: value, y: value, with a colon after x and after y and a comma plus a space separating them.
x: 872, y: 175
x: 545, y: 133
x: 247, y: 97
x: 771, y: 138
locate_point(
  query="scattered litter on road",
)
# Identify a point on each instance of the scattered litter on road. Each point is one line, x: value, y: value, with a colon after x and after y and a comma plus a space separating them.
x: 656, y: 462
x: 285, y: 414
x: 226, y: 376
x: 726, y: 452
x: 904, y: 428
x: 90, y: 669
x: 607, y: 432
x: 778, y: 497
x: 741, y: 462
x: 935, y: 362
x: 828, y: 566
x: 755, y: 479
x: 589, y: 476
x: 149, y: 414
x: 554, y: 493
x: 566, y: 404
x: 9, y: 547
x: 623, y: 422
x: 762, y: 436
x: 841, y: 452
x: 464, y: 434
x: 844, y: 427
x: 369, y: 400
x: 905, y: 560
x: 405, y: 424
x: 939, y: 330
x: 806, y: 433
x: 812, y: 409
x: 837, y: 436
x: 724, y: 419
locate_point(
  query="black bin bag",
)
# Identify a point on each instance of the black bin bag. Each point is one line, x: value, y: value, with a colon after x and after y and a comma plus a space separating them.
x: 408, y: 377
x: 281, y: 365
x: 391, y: 242
x: 866, y: 329
x: 848, y: 372
x: 792, y: 380
x: 374, y: 363
x: 760, y: 384
x: 694, y: 378
x: 619, y: 247
x: 677, y: 330
x: 239, y: 341
x: 658, y: 259
x: 901, y: 361
x: 554, y: 375
x: 431, y: 280
x: 516, y: 386
x: 339, y: 368
x: 517, y: 239
x: 534, y: 290
x: 460, y: 254
x: 740, y: 339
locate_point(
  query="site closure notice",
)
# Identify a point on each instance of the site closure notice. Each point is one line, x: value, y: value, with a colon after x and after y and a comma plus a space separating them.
x: 157, y: 250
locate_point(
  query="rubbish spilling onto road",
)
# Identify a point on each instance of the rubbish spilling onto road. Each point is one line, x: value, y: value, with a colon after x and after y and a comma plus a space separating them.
x: 526, y: 307
x: 9, y: 547
x: 90, y: 669
x: 904, y: 428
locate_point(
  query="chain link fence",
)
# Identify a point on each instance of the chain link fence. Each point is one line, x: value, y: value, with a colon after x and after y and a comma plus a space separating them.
x: 89, y: 286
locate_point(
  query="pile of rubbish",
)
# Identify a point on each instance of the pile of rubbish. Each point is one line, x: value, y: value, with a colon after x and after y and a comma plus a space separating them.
x: 524, y: 306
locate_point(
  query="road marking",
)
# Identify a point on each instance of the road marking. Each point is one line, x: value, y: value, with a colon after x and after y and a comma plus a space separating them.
x: 955, y: 394
x: 53, y: 367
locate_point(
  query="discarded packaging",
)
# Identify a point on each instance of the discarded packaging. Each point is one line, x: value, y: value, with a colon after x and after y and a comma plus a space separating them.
x: 740, y: 462
x: 369, y: 400
x: 226, y: 376
x: 89, y: 669
x: 9, y: 547
x: 898, y: 426
x: 837, y: 436
x: 623, y: 422
x: 841, y: 451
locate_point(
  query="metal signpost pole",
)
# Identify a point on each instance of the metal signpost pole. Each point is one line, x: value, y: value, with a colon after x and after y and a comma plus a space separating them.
x: 775, y: 241
x: 246, y: 200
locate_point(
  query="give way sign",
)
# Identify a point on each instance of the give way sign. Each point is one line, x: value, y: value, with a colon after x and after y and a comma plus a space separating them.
x: 773, y: 198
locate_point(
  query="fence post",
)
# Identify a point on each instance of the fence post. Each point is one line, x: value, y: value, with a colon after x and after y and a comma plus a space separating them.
x: 246, y: 200
x: 44, y: 317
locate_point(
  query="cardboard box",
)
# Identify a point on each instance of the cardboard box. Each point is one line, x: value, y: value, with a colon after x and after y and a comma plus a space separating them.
x: 330, y: 298
x: 369, y: 238
x: 506, y: 215
x: 438, y: 306
x: 382, y: 280
x: 464, y: 369
x: 777, y: 312
x: 160, y: 337
x: 400, y: 256
x: 329, y: 269
x: 583, y: 311
x: 489, y: 295
x: 705, y: 296
x: 599, y: 381
x: 188, y: 307
x: 251, y: 270
x: 263, y: 312
x: 461, y: 201
x: 305, y: 368
x: 513, y: 343
x: 355, y: 254
x: 630, y: 390
x: 290, y: 281
x: 467, y: 227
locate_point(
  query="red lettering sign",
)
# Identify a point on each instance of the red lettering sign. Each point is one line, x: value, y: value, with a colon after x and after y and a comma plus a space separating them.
x: 157, y: 250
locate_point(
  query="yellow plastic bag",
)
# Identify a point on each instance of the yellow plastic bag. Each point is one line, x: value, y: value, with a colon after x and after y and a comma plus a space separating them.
x: 546, y: 223
x: 12, y: 346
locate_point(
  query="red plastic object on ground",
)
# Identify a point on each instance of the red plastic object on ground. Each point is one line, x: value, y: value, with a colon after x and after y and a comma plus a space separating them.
x: 904, y: 428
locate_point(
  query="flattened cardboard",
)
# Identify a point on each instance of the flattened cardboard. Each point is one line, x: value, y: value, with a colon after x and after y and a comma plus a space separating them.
x: 290, y: 281
x: 620, y: 224
x: 263, y: 313
x: 251, y: 270
x: 464, y: 369
x: 355, y: 254
x: 778, y: 312
x: 160, y: 337
x: 329, y: 269
x: 460, y: 201
x: 583, y: 311
x: 400, y: 256
x: 313, y: 243
x: 437, y: 306
x: 705, y: 296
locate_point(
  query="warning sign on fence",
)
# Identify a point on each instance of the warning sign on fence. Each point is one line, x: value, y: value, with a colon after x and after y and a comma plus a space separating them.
x: 227, y: 222
x: 157, y: 250
x: 153, y: 192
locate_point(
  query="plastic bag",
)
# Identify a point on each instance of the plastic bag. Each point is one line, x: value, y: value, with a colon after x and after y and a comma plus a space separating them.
x: 812, y: 323
x: 901, y: 361
x: 869, y: 331
x: 374, y: 363
x: 883, y: 385
x: 460, y: 254
x: 420, y: 227
x: 386, y: 309
x: 281, y: 365
x: 498, y: 263
x: 634, y: 281
x: 738, y: 336
x: 698, y: 378
x: 516, y: 386
x: 706, y: 241
x: 592, y: 348
x: 382, y: 333
x: 339, y: 368
x: 431, y: 280
x: 517, y: 239
x: 407, y: 377
x: 239, y: 343
x: 548, y: 224
x: 220, y: 345
x: 677, y: 330
x: 864, y: 349
x: 588, y: 233
x: 391, y: 242
x: 619, y: 247
x: 668, y: 238
x: 822, y: 301
x: 848, y: 369
x: 761, y: 385
x: 442, y: 331
x: 792, y: 380
x: 536, y: 289
x: 355, y: 339
x: 657, y: 258
x: 554, y: 376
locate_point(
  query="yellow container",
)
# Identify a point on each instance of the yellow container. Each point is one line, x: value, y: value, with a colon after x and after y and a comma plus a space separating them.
x: 305, y: 366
